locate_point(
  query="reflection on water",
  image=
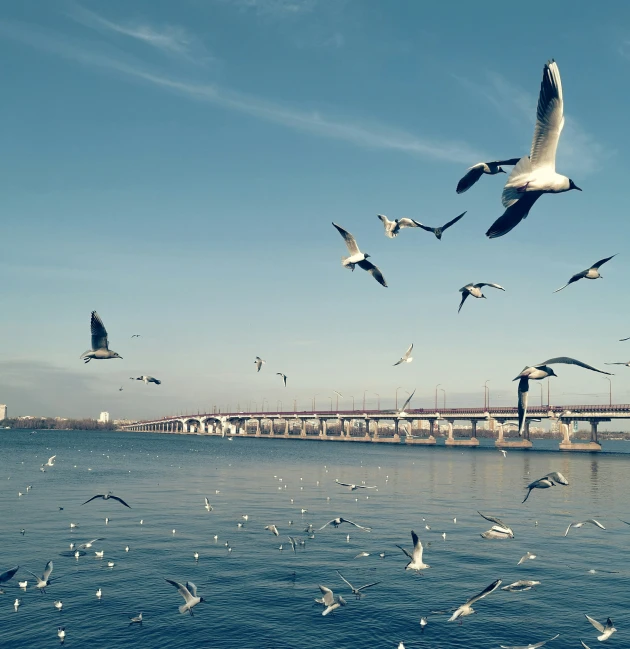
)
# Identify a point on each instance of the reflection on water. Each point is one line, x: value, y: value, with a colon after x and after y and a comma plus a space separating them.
x: 259, y: 596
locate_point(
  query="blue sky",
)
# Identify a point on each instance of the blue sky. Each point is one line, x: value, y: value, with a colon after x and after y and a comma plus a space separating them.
x: 177, y: 166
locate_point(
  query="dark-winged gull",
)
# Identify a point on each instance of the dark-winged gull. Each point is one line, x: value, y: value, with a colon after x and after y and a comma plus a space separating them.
x: 336, y: 522
x: 467, y: 609
x: 100, y: 347
x: 549, y: 480
x: 273, y: 529
x: 329, y: 601
x: 530, y: 646
x: 416, y: 562
x: 579, y: 524
x: 525, y: 557
x: 107, y: 496
x: 406, y: 357
x: 475, y: 172
x: 439, y: 231
x: 357, y: 258
x: 537, y: 373
x: 626, y: 364
x: 44, y: 580
x: 589, y: 273
x: 499, y: 525
x: 189, y: 593
x: 535, y: 175
x: 146, y: 379
x: 521, y: 585
x: 284, y: 378
x: 606, y: 631
x: 7, y: 575
x: 357, y: 592
x: 353, y: 487
x: 259, y: 363
x: 475, y: 291
x: 392, y: 228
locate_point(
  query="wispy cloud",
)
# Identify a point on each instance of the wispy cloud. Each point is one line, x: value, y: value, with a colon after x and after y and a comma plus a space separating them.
x: 366, y: 134
x: 276, y: 8
x: 578, y: 150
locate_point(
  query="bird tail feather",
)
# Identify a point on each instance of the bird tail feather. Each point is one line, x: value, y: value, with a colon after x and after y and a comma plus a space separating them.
x: 183, y: 608
x: 517, y: 179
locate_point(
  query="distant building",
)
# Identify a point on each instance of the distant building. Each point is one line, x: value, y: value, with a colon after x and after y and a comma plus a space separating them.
x: 3, y: 412
x: 104, y: 418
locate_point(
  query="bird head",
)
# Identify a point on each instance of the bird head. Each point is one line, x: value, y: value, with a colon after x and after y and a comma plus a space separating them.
x: 551, y: 372
x: 116, y: 355
x: 483, y: 296
x: 572, y: 185
x: 201, y: 599
x: 366, y: 255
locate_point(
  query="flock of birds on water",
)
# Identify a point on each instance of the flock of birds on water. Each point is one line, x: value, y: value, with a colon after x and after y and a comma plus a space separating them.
x: 329, y: 600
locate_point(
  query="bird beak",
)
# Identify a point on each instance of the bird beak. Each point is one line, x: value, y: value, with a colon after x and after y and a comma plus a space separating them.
x: 503, y: 171
x: 576, y: 187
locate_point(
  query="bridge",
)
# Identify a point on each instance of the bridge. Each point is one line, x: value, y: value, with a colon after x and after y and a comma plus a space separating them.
x: 416, y: 426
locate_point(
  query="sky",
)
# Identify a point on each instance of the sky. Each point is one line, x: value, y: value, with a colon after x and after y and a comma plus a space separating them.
x: 177, y: 166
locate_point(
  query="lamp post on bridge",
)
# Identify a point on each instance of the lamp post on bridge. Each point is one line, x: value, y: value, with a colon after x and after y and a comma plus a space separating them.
x: 364, y: 391
x: 436, y: 391
x: 486, y: 395
x: 444, y: 391
x: 352, y: 397
x: 609, y: 391
x: 294, y: 405
x: 338, y: 395
x: 379, y: 400
x: 330, y: 403
x: 279, y: 402
x: 541, y: 394
x: 315, y: 395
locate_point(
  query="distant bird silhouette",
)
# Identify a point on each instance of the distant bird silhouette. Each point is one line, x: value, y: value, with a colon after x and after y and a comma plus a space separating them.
x: 406, y: 358
x: 146, y: 379
x: 284, y: 378
x: 259, y: 362
x: 100, y: 347
x: 439, y: 231
x: 475, y: 291
x: 136, y: 336
x: 107, y: 496
x: 589, y: 273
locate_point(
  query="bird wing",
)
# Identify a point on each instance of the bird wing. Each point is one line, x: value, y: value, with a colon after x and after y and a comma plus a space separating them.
x: 523, y: 391
x: 571, y: 361
x: 532, y: 646
x: 99, y: 333
x: 510, y: 163
x: 328, y: 598
x: 513, y: 215
x: 351, y: 243
x: 601, y: 262
x: 493, y: 519
x: 405, y: 551
x: 482, y: 284
x: 388, y: 225
x: 549, y: 119
x: 595, y: 623
x: 594, y: 522
x: 486, y: 591
x: 152, y: 379
x: 183, y: 591
x: 292, y: 541
x: 258, y: 363
x: 120, y: 500
x: 408, y: 352
x: 367, y: 529
x: 556, y: 476
x: 326, y: 524
x: 457, y: 218
x: 192, y: 589
x: 31, y: 573
x: 402, y: 360
x: 417, y: 547
x: 373, y: 270
x: 50, y: 459
x: 575, y: 278
x: 343, y: 484
x: 424, y: 227
x: 369, y: 585
x: 623, y: 339
x: 47, y: 571
x: 407, y: 223
x: 344, y: 579
x: 8, y: 574
x: 473, y: 174
x: 92, y: 498
x: 408, y: 401
x: 465, y: 295
x: 83, y: 546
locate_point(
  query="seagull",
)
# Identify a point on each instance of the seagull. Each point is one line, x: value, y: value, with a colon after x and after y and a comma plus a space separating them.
x: 16, y: 604
x: 590, y: 520
x: 99, y: 554
x: 61, y: 634
x: 475, y: 291
x: 189, y: 593
x: 146, y: 379
x: 107, y: 496
x: 100, y: 349
x: 273, y: 529
x: 354, y: 487
x: 357, y: 591
x: 86, y: 546
x: 537, y: 373
x: 439, y: 231
x: 99, y: 594
x: 110, y: 564
x: 475, y: 172
x: 504, y: 452
x: 606, y: 631
x: 23, y: 584
x: 402, y: 410
x: 392, y: 228
x: 521, y: 585
x: 466, y: 609
x: 423, y: 622
x: 525, y: 557
x: 137, y: 619
x: 329, y: 601
x: 207, y: 506
x: 336, y: 522
x: 196, y: 556
x: 499, y: 525
x: 357, y: 258
x: 530, y: 646
x: 7, y: 575
x: 58, y: 604
x: 362, y: 554
x: 44, y: 580
x: 626, y: 364
x: 51, y: 462
x: 284, y: 378
x: 589, y: 273
x: 416, y: 562
x: 406, y: 357
x: 535, y: 175
x: 259, y: 363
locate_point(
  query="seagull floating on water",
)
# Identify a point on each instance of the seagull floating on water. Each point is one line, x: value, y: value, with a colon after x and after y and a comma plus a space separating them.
x: 475, y: 172
x: 58, y: 604
x: 406, y: 357
x: 100, y: 348
x: 136, y: 620
x: 589, y: 273
x: 61, y: 634
x: 416, y: 562
x: 189, y: 593
x: 475, y: 291
x: 107, y: 496
x: 439, y: 231
x: 592, y: 521
x: 392, y: 228
x: 535, y: 175
x: 357, y: 258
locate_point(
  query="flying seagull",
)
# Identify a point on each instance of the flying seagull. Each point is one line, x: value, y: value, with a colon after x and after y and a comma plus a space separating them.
x: 51, y: 462
x: 416, y: 562
x: 357, y: 258
x: 535, y: 175
x: 606, y: 631
x: 353, y: 487
x: 521, y: 585
x: 357, y: 591
x: 549, y: 480
x: 475, y: 172
x: 530, y: 646
x: 537, y: 373
x: 466, y: 609
x: 579, y: 524
x: 402, y: 410
x: 207, y: 506
x: 107, y: 496
x: 273, y: 529
x: 406, y: 357
x: 284, y: 378
x: 329, y: 601
x: 439, y: 231
x: 336, y: 522
x: 525, y: 557
x: 89, y: 544
x: 626, y: 364
x: 392, y: 228
x: 499, y: 525
x: 100, y: 349
x: 189, y: 593
x: 589, y: 273
x: 146, y: 379
x: 259, y: 363
x: 475, y: 291
x: 44, y: 580
x: 136, y: 336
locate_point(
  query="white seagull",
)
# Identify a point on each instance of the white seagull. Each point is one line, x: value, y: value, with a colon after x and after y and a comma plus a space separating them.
x: 525, y: 557
x: 137, y: 619
x: 549, y: 480
x: 89, y: 544
x: 58, y: 604
x: 259, y: 363
x: 329, y: 601
x: 535, y: 175
x: 475, y: 291
x: 100, y: 347
x: 61, y: 634
x: 530, y: 646
x: 406, y: 357
x: 357, y: 591
x: 273, y: 529
x: 475, y: 172
x: 416, y: 562
x: 439, y: 231
x: 579, y: 524
x: 466, y: 609
x: 589, y: 273
x: 357, y: 258
x: 499, y: 525
x: 392, y: 228
x: 284, y: 378
x: 353, y: 487
x: 146, y: 379
x: 189, y: 593
x: 51, y: 462
x: 336, y: 522
x: 606, y: 631
x: 44, y: 580
x: 208, y: 506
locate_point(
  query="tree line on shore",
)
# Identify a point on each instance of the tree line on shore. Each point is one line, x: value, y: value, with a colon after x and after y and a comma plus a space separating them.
x: 50, y: 423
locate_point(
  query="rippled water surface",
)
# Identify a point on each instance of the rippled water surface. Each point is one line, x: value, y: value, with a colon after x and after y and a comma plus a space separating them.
x: 260, y: 597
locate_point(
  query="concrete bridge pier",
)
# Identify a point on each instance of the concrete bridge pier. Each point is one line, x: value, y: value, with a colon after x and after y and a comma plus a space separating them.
x: 592, y: 446
x: 523, y: 443
x: 286, y: 427
x: 451, y: 441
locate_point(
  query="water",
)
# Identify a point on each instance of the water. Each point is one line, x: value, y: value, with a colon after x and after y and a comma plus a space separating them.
x: 260, y: 597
